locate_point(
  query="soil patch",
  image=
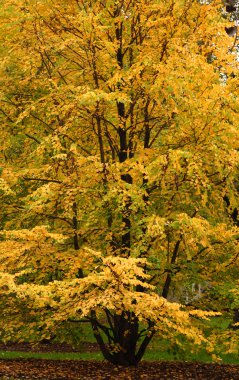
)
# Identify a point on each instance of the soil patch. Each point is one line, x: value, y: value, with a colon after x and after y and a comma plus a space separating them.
x: 48, y: 347
x: 22, y: 369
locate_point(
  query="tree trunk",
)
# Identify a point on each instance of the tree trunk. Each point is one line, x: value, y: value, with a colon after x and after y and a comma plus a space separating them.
x: 120, y: 341
x: 122, y: 345
x: 169, y: 275
x: 80, y: 273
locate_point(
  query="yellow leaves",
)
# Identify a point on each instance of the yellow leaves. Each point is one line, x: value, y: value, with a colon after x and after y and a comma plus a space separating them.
x: 5, y: 188
x: 203, y: 314
x: 9, y: 178
x: 96, y: 96
x: 36, y: 234
x: 116, y: 348
x: 127, y: 271
x: 156, y: 227
x: 112, y: 286
x: 101, y: 83
x: 33, y: 252
x: 7, y: 283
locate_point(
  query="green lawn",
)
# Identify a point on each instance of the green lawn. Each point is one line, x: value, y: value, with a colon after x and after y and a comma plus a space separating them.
x: 51, y: 355
x: 151, y: 354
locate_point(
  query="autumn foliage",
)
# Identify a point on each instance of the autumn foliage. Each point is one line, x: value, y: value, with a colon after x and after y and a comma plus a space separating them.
x: 119, y: 144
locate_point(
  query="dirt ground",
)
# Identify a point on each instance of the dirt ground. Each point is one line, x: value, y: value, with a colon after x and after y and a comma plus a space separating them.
x: 48, y: 347
x: 85, y: 370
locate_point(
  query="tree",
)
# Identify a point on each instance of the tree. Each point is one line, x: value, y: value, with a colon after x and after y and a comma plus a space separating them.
x: 120, y: 142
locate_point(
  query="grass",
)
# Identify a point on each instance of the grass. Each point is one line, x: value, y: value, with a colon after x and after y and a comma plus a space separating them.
x: 51, y: 355
x: 151, y: 355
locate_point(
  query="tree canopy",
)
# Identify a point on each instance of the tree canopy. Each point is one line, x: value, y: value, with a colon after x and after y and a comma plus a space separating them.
x: 119, y: 145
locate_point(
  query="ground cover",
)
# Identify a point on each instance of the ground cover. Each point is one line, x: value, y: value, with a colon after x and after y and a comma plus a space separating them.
x: 22, y: 369
x: 55, y: 361
x: 23, y: 361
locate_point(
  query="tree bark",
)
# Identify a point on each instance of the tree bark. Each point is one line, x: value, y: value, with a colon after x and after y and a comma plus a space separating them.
x: 80, y: 273
x: 121, y: 347
x: 169, y: 275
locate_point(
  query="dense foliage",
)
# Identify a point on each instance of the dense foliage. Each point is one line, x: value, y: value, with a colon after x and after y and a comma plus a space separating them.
x: 119, y: 145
